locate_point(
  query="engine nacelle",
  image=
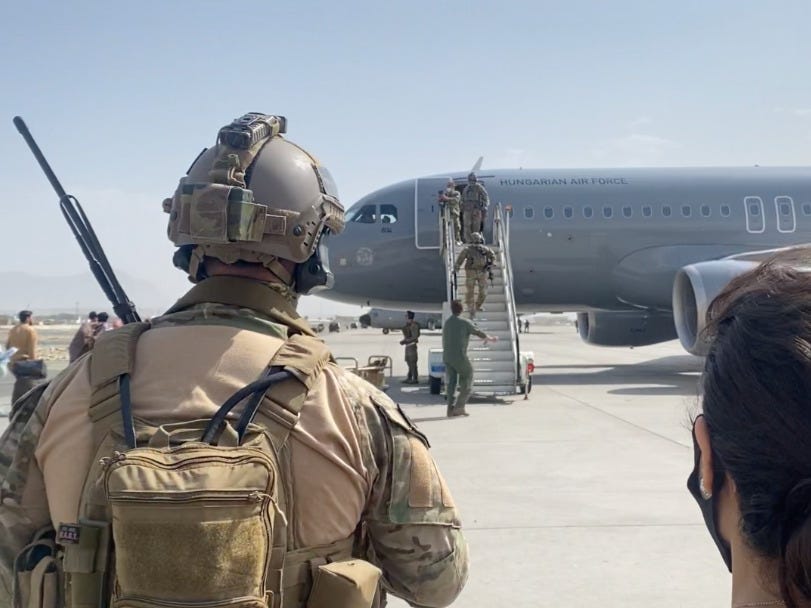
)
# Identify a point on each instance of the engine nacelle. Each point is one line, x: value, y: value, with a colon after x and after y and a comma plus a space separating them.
x: 625, y: 328
x: 694, y: 289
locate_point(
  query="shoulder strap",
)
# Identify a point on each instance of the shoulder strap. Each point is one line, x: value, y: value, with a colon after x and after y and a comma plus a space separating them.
x: 303, y: 357
x: 111, y: 361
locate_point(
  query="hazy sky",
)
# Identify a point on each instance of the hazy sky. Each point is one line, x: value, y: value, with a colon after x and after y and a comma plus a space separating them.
x: 122, y: 97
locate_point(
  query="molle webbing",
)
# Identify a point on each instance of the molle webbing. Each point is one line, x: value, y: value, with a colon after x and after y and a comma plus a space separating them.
x: 304, y: 357
x: 113, y: 357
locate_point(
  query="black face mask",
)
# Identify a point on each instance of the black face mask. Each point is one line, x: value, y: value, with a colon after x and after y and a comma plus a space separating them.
x: 708, y: 505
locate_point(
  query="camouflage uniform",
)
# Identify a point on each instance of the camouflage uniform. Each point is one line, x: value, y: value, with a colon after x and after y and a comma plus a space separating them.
x: 373, y: 476
x: 475, y: 201
x: 411, y: 335
x: 451, y: 200
x: 477, y: 259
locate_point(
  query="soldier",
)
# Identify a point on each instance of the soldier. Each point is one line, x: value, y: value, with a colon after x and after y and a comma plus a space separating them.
x: 324, y: 469
x: 478, y: 260
x: 411, y: 336
x: 450, y: 200
x: 456, y: 334
x: 23, y: 337
x: 475, y: 201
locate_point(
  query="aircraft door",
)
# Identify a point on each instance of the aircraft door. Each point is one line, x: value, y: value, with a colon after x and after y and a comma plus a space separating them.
x: 427, y: 212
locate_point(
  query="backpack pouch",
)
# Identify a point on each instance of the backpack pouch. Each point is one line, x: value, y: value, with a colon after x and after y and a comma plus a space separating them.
x: 192, y: 526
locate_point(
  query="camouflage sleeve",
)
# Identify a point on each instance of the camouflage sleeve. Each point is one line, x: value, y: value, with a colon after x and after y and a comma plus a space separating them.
x: 23, y: 503
x: 412, y: 524
x: 460, y: 259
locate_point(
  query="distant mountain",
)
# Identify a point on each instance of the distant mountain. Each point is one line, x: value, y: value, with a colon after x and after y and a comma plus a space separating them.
x: 52, y: 294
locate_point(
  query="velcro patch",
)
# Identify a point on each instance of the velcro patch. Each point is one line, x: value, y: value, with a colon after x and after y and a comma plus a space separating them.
x: 68, y: 534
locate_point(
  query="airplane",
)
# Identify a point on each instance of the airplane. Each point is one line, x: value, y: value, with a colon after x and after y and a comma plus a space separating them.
x: 638, y: 253
x: 395, y: 319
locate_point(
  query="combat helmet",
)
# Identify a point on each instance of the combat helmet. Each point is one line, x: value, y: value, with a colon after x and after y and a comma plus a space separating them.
x: 471, y: 177
x: 477, y: 238
x: 256, y: 197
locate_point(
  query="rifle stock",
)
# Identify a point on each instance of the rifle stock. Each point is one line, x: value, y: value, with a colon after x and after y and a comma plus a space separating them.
x: 85, y: 235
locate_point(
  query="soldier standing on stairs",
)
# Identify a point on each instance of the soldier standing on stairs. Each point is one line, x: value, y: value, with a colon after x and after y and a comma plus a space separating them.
x: 411, y: 335
x: 478, y: 260
x: 475, y: 201
x: 450, y: 200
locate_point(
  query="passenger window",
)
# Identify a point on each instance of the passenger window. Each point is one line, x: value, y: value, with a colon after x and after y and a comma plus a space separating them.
x: 725, y: 210
x: 647, y: 211
x: 705, y: 210
x: 366, y: 215
x: 627, y: 211
x: 588, y: 212
x: 568, y: 212
x: 549, y: 213
x: 686, y: 210
x: 388, y: 214
x: 529, y: 212
x: 608, y: 212
x: 666, y: 210
x: 807, y: 208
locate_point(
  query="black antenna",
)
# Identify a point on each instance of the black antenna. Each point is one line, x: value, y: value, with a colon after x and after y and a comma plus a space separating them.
x: 83, y: 231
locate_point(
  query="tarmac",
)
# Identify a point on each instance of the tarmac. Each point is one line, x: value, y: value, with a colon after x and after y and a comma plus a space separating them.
x: 575, y: 496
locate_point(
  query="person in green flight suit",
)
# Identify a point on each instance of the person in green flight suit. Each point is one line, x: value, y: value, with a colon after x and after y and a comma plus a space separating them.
x: 456, y: 332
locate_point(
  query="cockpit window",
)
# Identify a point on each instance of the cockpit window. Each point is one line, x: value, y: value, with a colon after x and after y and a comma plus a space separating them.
x: 388, y: 214
x: 365, y: 215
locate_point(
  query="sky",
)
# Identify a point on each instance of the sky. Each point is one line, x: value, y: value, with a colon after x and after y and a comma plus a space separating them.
x: 123, y: 96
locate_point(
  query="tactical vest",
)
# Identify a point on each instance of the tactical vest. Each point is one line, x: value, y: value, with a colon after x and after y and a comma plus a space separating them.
x: 478, y: 257
x: 195, y: 513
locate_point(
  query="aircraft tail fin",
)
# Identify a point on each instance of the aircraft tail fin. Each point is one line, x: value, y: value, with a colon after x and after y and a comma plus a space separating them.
x: 477, y: 165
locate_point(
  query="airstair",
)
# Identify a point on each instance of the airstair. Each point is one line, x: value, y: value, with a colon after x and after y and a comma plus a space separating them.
x: 496, y: 365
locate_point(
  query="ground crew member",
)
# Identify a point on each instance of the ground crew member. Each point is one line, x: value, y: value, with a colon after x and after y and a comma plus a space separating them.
x: 23, y: 337
x: 451, y: 201
x: 478, y: 260
x: 411, y: 336
x: 475, y: 201
x: 354, y: 477
x: 456, y: 333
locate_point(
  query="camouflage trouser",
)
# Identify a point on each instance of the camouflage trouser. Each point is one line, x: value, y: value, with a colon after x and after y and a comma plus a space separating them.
x: 461, y: 372
x: 457, y: 225
x: 471, y: 222
x: 411, y: 361
x: 473, y: 278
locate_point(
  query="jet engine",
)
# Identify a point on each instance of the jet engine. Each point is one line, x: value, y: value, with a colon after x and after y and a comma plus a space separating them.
x: 694, y: 289
x: 625, y: 328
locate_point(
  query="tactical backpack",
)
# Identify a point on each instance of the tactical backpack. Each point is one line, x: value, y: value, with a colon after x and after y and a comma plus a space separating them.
x: 193, y: 513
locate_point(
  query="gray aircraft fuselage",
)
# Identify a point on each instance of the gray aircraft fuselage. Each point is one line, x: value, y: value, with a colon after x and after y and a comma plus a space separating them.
x: 580, y: 239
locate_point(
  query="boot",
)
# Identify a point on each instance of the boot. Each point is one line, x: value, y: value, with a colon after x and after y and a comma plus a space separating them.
x: 453, y: 412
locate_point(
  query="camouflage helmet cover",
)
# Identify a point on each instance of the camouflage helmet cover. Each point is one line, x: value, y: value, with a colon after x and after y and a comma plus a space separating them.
x: 477, y: 238
x: 471, y: 177
x: 253, y: 197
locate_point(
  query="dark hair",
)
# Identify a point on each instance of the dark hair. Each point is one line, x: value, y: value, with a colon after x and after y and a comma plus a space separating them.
x: 92, y: 315
x: 757, y: 405
x: 456, y: 307
x: 102, y: 317
x: 410, y: 314
x: 24, y: 315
